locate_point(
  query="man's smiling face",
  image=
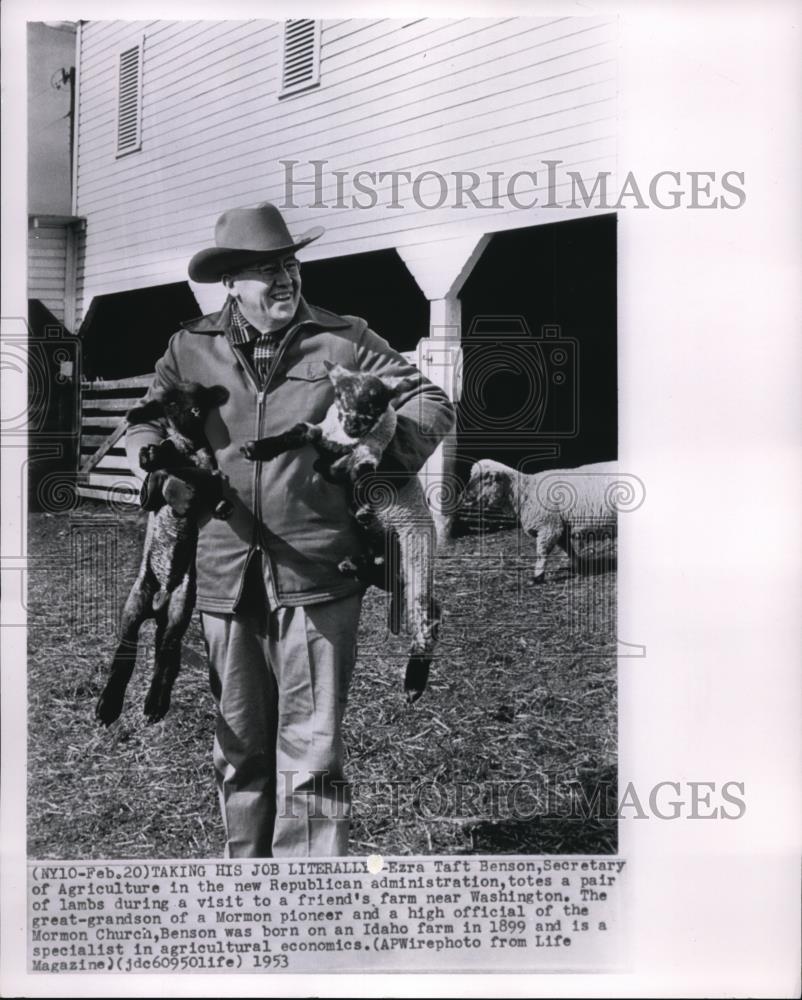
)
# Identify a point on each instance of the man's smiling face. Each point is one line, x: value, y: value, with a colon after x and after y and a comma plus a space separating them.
x: 268, y: 294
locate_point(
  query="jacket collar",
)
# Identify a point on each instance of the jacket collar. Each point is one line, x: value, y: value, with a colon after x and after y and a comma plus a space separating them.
x: 306, y: 315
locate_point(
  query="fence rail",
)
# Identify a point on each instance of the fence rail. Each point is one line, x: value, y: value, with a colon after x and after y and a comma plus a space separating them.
x: 103, y: 472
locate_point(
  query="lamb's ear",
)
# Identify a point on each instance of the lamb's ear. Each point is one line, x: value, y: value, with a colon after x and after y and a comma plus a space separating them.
x: 505, y: 487
x: 216, y: 395
x: 399, y: 383
x: 142, y: 414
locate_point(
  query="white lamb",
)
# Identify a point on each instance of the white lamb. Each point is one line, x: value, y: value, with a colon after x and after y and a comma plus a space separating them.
x: 350, y: 441
x: 559, y: 506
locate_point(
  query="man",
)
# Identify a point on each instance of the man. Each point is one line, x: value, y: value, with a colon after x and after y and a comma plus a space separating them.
x: 279, y: 619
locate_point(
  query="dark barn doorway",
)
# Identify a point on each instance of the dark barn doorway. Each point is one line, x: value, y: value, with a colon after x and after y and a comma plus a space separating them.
x: 376, y: 286
x: 539, y: 348
x: 53, y: 406
x: 125, y: 333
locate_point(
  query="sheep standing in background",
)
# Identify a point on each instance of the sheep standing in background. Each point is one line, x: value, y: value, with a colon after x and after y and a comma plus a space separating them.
x: 556, y: 507
x: 350, y: 441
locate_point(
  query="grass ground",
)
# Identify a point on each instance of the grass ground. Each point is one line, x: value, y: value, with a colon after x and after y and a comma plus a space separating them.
x: 516, y: 731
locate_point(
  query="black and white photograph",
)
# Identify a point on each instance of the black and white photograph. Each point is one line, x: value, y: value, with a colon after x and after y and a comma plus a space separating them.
x: 369, y: 560
x: 421, y: 382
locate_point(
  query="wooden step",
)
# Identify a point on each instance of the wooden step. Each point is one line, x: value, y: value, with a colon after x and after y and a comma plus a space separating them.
x: 109, y: 479
x: 110, y: 462
x: 104, y: 404
x: 138, y: 381
x: 91, y: 442
x: 101, y: 421
x: 112, y: 404
x: 98, y: 493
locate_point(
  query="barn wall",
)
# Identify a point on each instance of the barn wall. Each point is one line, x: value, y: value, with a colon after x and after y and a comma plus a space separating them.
x: 450, y: 95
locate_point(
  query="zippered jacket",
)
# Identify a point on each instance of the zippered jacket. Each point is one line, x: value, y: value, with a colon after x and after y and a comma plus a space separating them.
x: 284, y: 513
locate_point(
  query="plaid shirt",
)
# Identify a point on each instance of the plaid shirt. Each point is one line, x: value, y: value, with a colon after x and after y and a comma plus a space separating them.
x: 265, y: 345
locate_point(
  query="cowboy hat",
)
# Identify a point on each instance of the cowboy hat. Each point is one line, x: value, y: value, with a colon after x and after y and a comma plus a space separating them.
x: 246, y: 236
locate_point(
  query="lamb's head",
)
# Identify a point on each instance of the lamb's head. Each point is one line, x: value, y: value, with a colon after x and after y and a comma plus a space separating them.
x: 361, y: 398
x: 488, y: 501
x: 184, y: 406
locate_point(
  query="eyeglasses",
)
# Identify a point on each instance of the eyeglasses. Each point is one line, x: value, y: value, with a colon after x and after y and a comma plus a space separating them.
x: 273, y: 270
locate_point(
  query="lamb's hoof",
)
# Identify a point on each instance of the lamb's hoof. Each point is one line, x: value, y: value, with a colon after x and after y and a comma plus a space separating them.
x: 416, y: 677
x: 148, y: 460
x: 109, y: 706
x: 348, y: 567
x: 361, y: 469
x: 157, y: 704
x: 363, y: 516
x: 249, y: 450
x: 412, y: 695
x: 223, y: 510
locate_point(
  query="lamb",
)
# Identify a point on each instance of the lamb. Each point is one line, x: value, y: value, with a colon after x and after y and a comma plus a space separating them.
x: 560, y: 506
x: 398, y: 526
x: 183, y: 481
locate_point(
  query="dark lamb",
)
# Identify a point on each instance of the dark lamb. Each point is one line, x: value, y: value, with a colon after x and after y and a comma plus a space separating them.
x: 183, y: 484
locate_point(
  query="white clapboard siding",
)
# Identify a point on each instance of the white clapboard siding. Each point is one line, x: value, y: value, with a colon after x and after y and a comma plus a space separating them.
x: 424, y: 94
x: 80, y: 255
x: 422, y: 76
x: 238, y: 127
x: 398, y: 132
x: 47, y: 262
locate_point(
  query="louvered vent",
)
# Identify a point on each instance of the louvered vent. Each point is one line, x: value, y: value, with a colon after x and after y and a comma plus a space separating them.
x: 129, y: 101
x: 301, y: 64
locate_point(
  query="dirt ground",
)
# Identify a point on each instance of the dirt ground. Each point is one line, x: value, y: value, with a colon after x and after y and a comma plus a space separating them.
x: 504, y: 753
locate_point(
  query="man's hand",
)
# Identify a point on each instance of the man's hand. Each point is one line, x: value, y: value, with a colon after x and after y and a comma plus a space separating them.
x: 160, y: 488
x: 179, y: 494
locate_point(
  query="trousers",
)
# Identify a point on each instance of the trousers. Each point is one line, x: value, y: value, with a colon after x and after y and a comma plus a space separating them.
x: 280, y: 682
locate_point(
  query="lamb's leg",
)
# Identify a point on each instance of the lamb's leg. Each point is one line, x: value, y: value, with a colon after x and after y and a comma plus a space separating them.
x: 322, y: 466
x: 138, y: 607
x: 269, y: 447
x: 151, y: 496
x: 394, y: 581
x: 575, y: 553
x: 422, y: 611
x: 363, y: 461
x: 171, y: 625
x: 163, y: 455
x: 334, y: 470
x: 207, y: 484
x: 547, y: 537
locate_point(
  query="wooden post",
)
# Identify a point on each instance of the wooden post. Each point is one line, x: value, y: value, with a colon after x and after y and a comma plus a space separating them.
x: 440, y: 271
